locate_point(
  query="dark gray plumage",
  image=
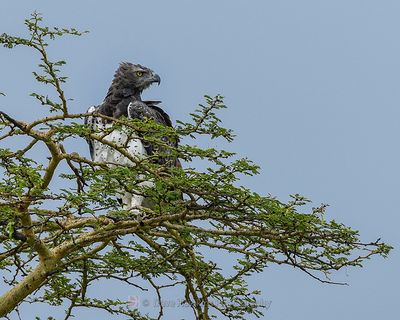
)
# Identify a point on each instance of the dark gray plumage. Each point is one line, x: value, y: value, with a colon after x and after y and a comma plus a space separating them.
x: 128, y: 84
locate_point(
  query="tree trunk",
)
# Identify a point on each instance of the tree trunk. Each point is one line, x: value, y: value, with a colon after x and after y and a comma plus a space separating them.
x: 34, y: 280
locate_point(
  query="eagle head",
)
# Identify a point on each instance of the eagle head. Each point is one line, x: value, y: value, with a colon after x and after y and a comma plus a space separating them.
x: 135, y: 76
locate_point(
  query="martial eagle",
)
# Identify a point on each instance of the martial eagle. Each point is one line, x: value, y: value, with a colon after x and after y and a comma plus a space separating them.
x: 124, y: 99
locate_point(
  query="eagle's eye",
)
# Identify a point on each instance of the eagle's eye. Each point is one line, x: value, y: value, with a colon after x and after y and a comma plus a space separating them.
x: 139, y: 73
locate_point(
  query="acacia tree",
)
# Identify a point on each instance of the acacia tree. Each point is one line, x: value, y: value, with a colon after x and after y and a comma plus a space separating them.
x: 56, y: 242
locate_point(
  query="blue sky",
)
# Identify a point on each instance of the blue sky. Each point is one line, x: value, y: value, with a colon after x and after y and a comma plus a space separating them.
x: 313, y: 95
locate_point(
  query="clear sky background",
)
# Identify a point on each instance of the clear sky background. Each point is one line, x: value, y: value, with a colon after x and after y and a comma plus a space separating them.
x: 313, y: 95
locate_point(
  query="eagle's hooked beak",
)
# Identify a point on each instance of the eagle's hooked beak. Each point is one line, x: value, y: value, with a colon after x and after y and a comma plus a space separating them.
x: 156, y: 78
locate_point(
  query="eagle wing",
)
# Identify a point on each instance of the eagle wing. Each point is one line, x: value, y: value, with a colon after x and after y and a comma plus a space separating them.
x: 149, y: 109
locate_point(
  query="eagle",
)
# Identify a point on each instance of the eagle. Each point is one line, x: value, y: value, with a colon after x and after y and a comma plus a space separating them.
x: 124, y: 99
